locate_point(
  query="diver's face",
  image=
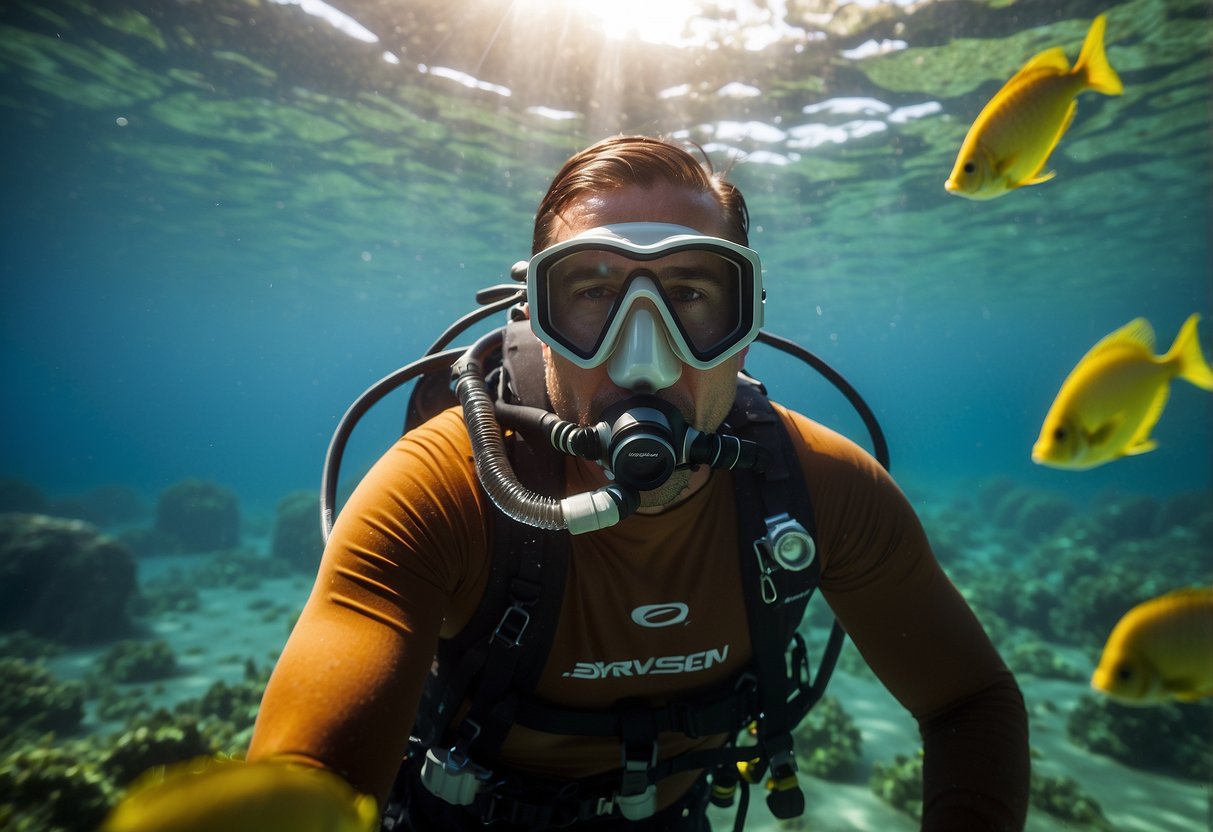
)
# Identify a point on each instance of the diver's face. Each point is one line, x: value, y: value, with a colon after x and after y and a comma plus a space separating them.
x: 704, y: 397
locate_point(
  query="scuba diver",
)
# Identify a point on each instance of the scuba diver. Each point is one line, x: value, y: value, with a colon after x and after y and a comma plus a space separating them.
x: 572, y: 598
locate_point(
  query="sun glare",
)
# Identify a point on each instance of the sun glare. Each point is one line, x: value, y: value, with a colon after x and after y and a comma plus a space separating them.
x: 655, y: 21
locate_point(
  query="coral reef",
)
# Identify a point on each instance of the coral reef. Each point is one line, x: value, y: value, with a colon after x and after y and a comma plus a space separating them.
x: 1029, y: 655
x: 61, y: 579
x: 828, y: 743
x: 1074, y: 583
x: 33, y: 701
x: 199, y: 516
x: 53, y: 789
x: 237, y: 569
x: 297, y: 537
x: 154, y: 740
x: 900, y: 784
x: 138, y: 661
x: 71, y: 787
x: 1062, y: 798
x: 1171, y: 739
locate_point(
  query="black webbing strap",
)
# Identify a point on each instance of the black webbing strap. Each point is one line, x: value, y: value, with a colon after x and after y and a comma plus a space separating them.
x: 502, y: 651
x: 720, y: 712
x: 775, y: 598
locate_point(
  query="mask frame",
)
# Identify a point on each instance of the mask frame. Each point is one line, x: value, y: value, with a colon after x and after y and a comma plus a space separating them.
x: 643, y: 243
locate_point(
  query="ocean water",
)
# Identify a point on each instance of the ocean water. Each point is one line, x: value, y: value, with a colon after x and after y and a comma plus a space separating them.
x: 224, y: 220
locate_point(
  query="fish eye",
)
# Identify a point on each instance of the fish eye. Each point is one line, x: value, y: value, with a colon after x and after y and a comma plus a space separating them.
x: 1124, y: 672
x: 969, y: 167
x: 1059, y: 434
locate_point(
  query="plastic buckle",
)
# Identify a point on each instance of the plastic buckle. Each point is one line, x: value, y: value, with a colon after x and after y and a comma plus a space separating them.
x: 455, y: 784
x: 512, y: 625
x: 637, y: 797
x: 784, y: 798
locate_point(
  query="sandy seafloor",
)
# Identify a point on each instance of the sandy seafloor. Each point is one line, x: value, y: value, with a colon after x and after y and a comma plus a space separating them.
x: 235, y: 625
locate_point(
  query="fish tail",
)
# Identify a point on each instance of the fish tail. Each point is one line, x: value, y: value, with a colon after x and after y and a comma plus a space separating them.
x: 1093, y: 63
x: 1189, y: 358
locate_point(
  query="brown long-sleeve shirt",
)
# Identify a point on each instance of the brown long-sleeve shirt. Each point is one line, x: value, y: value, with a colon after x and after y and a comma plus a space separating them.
x: 408, y: 561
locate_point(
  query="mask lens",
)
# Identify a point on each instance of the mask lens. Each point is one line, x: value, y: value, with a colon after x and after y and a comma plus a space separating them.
x: 707, y: 294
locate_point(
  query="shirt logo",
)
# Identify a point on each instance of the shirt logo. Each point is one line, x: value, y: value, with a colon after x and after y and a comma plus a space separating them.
x: 661, y: 615
x: 652, y: 666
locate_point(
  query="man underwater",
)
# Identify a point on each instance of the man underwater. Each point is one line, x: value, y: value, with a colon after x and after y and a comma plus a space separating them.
x: 644, y: 295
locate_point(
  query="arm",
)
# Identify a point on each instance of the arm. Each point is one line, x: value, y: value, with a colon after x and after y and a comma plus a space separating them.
x: 403, y: 561
x: 920, y: 638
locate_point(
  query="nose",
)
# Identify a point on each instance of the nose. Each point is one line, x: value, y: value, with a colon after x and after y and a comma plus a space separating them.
x: 642, y: 359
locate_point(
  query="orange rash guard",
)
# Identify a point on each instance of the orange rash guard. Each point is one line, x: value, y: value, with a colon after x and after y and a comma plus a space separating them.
x: 408, y: 561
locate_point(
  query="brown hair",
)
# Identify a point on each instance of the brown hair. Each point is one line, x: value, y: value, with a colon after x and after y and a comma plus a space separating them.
x: 644, y: 161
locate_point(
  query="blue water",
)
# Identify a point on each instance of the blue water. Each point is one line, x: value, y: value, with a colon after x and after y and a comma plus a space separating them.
x: 191, y: 298
x: 223, y: 221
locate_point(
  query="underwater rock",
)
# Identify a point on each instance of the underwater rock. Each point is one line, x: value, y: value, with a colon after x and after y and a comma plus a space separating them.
x: 1191, y: 511
x: 1031, y: 514
x: 138, y: 661
x: 1034, y: 657
x: 104, y: 506
x: 61, y: 579
x: 1064, y: 799
x: 33, y: 702
x: 53, y: 788
x: 1170, y: 739
x: 145, y: 541
x: 1119, y: 517
x: 900, y: 784
x: 22, y: 645
x: 828, y: 745
x: 199, y: 516
x: 297, y: 538
x: 20, y: 496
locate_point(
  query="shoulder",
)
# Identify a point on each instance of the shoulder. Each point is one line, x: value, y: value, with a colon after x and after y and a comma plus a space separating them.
x: 863, y: 519
x: 420, y: 505
x: 818, y: 446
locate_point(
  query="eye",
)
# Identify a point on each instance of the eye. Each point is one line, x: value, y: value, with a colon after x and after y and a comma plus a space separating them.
x: 969, y: 167
x: 684, y: 294
x: 596, y: 293
x: 1059, y: 434
x: 1124, y: 672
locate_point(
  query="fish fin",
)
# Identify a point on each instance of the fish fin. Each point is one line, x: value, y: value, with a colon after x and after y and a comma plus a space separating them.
x: 1054, y: 58
x: 1141, y: 442
x: 1141, y: 448
x: 1182, y: 690
x: 1137, y: 334
x: 1186, y: 353
x: 1092, y: 63
x: 1099, y: 436
x: 1036, y: 177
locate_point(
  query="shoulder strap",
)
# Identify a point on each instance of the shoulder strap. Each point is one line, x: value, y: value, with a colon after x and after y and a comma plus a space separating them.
x: 776, y: 597
x: 503, y: 648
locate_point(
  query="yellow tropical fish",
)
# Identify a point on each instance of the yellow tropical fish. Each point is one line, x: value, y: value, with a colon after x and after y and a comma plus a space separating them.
x: 1160, y: 650
x: 1010, y: 142
x: 208, y: 795
x: 1111, y: 401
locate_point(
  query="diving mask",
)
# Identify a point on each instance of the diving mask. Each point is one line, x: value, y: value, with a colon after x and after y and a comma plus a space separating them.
x: 651, y: 294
